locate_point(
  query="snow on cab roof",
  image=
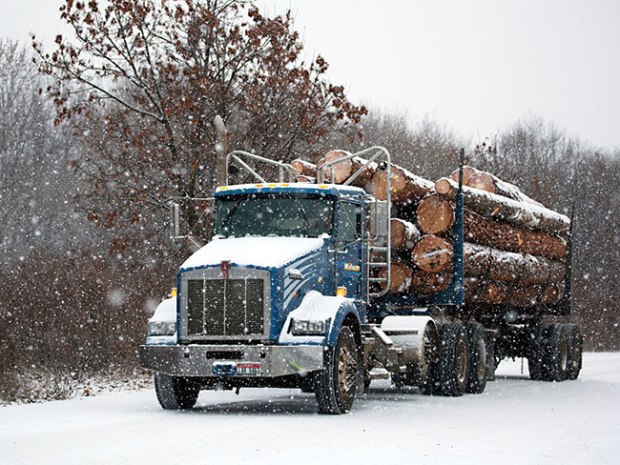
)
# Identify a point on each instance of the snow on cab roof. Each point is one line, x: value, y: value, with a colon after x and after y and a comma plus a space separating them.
x: 332, y: 189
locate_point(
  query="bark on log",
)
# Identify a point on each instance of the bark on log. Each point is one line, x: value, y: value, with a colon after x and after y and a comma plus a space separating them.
x: 433, y: 254
x: 505, y: 209
x: 491, y: 183
x: 305, y: 179
x: 425, y: 282
x: 304, y: 168
x: 403, y: 234
x: 400, y: 277
x: 435, y: 215
x: 468, y: 171
x: 406, y: 187
x: 344, y: 170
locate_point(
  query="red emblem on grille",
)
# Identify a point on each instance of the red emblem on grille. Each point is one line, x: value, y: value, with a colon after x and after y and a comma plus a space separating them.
x: 225, y: 267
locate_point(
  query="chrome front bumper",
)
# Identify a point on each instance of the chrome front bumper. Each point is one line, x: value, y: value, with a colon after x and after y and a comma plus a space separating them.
x: 231, y: 360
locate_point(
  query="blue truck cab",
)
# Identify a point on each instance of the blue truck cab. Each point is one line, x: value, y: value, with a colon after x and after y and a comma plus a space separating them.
x: 285, y: 272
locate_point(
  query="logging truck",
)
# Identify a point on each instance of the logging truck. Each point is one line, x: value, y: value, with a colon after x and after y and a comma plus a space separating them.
x: 354, y: 269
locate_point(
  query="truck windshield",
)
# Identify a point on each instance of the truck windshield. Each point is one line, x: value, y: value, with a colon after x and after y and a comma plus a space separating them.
x: 273, y: 215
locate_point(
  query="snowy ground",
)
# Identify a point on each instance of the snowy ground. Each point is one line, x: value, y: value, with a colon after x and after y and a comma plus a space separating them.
x: 515, y: 421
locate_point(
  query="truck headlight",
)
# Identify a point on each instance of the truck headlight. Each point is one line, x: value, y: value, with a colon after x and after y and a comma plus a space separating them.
x: 308, y: 327
x: 161, y: 328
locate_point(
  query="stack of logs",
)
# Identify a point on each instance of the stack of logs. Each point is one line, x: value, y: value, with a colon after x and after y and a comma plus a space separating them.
x: 514, y: 252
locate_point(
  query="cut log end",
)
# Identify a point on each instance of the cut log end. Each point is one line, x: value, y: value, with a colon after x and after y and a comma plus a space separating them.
x: 433, y: 254
x: 435, y: 215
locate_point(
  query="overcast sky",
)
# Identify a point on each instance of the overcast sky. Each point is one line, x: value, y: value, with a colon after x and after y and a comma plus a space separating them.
x: 476, y: 66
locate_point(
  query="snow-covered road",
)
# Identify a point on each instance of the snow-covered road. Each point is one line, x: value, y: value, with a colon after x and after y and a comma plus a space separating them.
x: 515, y: 421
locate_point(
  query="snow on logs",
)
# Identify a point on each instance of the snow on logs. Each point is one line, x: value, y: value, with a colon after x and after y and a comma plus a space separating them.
x: 403, y: 235
x: 502, y: 208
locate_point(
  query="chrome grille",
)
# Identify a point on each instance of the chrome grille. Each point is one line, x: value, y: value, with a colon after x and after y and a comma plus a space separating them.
x: 225, y: 307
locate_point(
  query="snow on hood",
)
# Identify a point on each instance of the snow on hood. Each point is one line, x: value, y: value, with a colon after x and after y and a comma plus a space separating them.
x: 257, y: 251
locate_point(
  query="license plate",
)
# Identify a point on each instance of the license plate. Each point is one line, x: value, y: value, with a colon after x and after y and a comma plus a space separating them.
x: 249, y: 369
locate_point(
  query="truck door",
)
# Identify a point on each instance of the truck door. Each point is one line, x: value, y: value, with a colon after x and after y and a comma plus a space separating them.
x: 349, y: 248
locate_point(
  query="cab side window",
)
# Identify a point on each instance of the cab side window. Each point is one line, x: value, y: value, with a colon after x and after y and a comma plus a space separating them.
x: 349, y: 222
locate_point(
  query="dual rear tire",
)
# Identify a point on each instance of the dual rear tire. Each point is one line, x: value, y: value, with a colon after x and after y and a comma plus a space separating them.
x: 555, y: 352
x: 461, y: 364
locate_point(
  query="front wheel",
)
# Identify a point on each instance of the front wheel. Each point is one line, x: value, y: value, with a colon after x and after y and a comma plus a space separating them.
x: 176, y: 393
x: 336, y: 385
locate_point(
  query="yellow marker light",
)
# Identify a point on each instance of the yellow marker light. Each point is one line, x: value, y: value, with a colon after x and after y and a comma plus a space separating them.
x: 341, y: 292
x: 284, y: 184
x: 271, y: 184
x: 323, y: 186
x: 173, y: 292
x: 222, y: 188
x: 258, y: 185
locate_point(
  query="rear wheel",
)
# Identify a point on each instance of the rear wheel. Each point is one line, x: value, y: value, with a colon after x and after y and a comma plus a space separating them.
x: 336, y: 385
x: 453, y: 363
x: 557, y: 354
x: 477, y: 358
x: 575, y: 350
x: 536, y: 352
x: 176, y: 393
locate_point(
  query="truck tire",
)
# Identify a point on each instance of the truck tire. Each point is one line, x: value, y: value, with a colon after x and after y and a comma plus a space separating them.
x: 575, y: 350
x: 336, y: 385
x: 453, y: 363
x: 176, y: 393
x: 427, y: 378
x: 536, y: 352
x: 557, y: 354
x: 476, y: 338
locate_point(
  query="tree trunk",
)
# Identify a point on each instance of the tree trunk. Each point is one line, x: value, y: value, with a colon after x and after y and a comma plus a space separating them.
x: 406, y: 187
x: 400, y: 277
x: 504, y: 209
x: 433, y: 254
x: 468, y: 171
x: 344, y: 170
x: 403, y: 235
x: 304, y: 168
x: 425, y: 282
x: 435, y: 215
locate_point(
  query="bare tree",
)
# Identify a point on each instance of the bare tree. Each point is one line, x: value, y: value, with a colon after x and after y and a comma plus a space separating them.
x: 146, y: 79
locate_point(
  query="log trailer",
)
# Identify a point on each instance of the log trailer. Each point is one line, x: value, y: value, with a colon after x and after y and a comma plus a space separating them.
x: 294, y: 292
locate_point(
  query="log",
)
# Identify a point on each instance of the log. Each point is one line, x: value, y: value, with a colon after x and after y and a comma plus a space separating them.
x: 505, y: 209
x: 305, y: 179
x: 406, y: 187
x: 433, y: 254
x: 403, y: 235
x: 400, y: 277
x: 425, y: 282
x: 468, y: 171
x: 491, y: 183
x: 304, y: 168
x: 344, y: 170
x: 435, y: 215
x: 552, y: 293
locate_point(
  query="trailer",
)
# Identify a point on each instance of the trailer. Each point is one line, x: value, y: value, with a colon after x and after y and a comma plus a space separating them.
x: 294, y: 292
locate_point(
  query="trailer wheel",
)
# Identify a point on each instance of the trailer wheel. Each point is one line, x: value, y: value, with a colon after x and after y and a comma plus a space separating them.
x: 336, y: 385
x: 453, y: 364
x: 477, y: 358
x: 427, y: 375
x: 176, y: 393
x: 575, y: 350
x: 536, y: 353
x: 557, y: 354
